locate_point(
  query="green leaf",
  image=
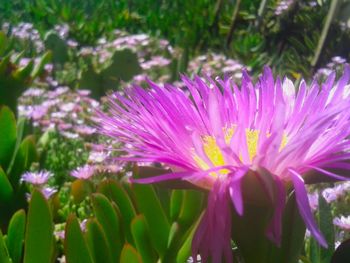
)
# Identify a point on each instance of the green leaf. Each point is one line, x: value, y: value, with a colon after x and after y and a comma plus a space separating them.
x: 115, y: 192
x: 109, y: 220
x: 8, y: 135
x: 140, y: 233
x: 176, y: 203
x: 97, y: 242
x: 331, y: 15
x: 130, y: 255
x: 15, y: 235
x: 4, y: 255
x: 39, y: 231
x: 174, y: 231
x: 80, y: 189
x: 20, y: 130
x: 293, y: 232
x: 325, y: 220
x: 23, y: 73
x: 3, y: 43
x: 39, y: 67
x: 4, y: 63
x: 185, y: 249
x: 149, y: 205
x: 25, y: 156
x: 191, y: 207
x: 6, y: 190
x: 75, y: 246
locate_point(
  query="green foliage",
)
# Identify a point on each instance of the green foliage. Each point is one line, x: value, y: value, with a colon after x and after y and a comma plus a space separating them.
x: 130, y: 254
x: 76, y: 248
x: 131, y: 223
x: 108, y: 217
x: 14, y: 79
x: 316, y: 253
x: 97, y: 242
x: 57, y: 46
x: 60, y: 155
x: 16, y: 156
x: 4, y: 254
x: 123, y: 66
x: 15, y: 236
x: 39, y: 231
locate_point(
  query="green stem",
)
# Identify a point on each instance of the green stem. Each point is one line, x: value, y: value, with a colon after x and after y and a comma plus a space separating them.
x: 330, y: 16
x: 233, y: 23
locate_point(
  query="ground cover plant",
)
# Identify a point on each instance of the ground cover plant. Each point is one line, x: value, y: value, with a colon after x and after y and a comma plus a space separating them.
x: 174, y: 131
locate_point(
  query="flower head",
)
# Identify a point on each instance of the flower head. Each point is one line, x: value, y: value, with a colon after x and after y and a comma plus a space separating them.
x: 221, y: 133
x: 84, y: 172
x: 342, y: 222
x: 36, y: 178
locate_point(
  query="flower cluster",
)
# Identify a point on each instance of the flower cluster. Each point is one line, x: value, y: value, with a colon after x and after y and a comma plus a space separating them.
x: 214, y: 64
x: 67, y: 111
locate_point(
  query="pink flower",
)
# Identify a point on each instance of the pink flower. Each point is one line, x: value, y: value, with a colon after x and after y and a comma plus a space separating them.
x: 36, y: 178
x: 221, y: 133
x: 84, y: 172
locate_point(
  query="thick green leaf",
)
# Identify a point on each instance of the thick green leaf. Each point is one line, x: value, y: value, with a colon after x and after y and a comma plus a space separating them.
x: 115, y: 192
x: 22, y: 73
x: 176, y: 200
x: 325, y: 221
x: 148, y: 204
x: 39, y: 67
x: 315, y: 254
x: 39, y: 231
x: 185, y: 250
x: 20, y: 130
x: 174, y: 231
x: 6, y: 190
x: 293, y: 232
x: 97, y: 242
x: 130, y: 255
x: 140, y: 233
x: 4, y: 255
x: 15, y: 235
x: 191, y: 207
x: 25, y: 156
x: 75, y: 246
x: 7, y: 136
x: 80, y: 189
x: 109, y: 220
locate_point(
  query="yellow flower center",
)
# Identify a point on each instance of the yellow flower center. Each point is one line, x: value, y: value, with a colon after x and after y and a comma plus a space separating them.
x: 214, y: 154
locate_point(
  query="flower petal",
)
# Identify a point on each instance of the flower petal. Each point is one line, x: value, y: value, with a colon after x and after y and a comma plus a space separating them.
x: 304, y: 207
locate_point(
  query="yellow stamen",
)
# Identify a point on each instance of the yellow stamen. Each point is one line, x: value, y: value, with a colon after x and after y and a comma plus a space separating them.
x: 214, y: 154
x: 252, y: 137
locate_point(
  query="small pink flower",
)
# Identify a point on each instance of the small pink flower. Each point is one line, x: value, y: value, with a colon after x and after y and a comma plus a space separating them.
x: 36, y: 178
x: 84, y: 172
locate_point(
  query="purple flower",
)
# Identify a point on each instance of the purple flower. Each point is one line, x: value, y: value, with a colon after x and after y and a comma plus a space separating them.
x: 221, y: 133
x: 332, y: 194
x: 33, y: 92
x: 84, y: 172
x: 48, y: 192
x: 342, y: 222
x: 98, y: 156
x: 83, y: 92
x: 313, y: 200
x: 36, y: 178
x: 84, y: 130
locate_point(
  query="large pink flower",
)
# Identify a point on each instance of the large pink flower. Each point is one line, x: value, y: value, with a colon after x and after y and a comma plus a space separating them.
x: 219, y: 133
